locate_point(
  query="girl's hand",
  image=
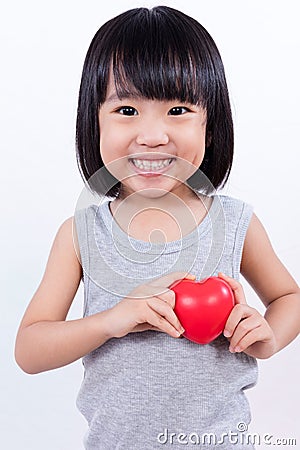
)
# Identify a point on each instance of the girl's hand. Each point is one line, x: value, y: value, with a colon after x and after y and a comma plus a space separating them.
x: 247, y: 330
x: 148, y: 307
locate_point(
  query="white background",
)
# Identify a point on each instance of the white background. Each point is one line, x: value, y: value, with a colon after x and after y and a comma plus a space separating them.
x: 43, y: 45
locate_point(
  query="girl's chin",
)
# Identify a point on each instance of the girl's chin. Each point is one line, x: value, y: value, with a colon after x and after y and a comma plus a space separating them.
x: 152, y: 190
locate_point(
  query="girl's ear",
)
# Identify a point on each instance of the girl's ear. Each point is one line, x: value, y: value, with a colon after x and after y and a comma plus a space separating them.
x: 208, y: 139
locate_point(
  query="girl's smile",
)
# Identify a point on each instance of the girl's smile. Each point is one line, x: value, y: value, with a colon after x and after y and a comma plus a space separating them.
x: 151, y: 165
x: 151, y: 146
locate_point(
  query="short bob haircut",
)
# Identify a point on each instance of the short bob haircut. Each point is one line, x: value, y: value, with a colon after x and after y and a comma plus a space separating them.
x: 162, y: 54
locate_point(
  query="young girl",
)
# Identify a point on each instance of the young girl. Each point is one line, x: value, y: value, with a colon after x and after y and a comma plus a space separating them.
x: 154, y: 142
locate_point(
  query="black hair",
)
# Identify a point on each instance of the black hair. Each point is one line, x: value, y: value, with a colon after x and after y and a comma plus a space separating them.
x: 162, y: 54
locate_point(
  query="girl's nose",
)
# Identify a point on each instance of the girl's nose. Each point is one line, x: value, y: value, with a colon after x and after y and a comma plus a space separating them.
x: 152, y: 137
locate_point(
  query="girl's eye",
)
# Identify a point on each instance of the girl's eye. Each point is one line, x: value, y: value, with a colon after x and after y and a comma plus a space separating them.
x: 178, y: 111
x: 127, y: 111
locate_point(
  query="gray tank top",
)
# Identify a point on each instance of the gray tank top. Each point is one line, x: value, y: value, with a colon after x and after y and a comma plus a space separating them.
x: 147, y: 390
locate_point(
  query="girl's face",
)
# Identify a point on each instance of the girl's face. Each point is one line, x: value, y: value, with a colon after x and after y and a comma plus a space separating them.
x: 151, y: 146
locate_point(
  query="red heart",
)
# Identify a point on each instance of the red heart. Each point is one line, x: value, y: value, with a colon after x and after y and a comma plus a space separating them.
x: 203, y: 307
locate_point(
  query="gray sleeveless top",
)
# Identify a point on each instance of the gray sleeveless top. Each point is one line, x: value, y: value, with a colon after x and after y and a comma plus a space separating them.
x: 147, y: 390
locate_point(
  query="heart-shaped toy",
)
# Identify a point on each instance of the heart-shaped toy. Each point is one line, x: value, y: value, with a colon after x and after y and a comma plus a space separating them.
x: 203, y: 307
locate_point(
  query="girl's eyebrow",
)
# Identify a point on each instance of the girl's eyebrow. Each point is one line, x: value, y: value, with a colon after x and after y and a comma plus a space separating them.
x: 112, y: 98
x: 115, y: 98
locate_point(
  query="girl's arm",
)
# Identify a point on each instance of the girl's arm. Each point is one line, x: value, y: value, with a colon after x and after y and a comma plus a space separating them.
x: 248, y: 331
x: 45, y: 340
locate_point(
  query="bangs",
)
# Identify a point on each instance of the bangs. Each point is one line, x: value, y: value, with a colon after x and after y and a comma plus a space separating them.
x: 160, y: 75
x: 157, y: 57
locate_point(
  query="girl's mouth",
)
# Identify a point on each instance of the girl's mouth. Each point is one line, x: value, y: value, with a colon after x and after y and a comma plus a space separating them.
x: 151, y: 167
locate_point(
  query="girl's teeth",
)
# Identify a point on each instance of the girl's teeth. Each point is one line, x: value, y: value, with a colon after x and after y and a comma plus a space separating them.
x: 151, y: 165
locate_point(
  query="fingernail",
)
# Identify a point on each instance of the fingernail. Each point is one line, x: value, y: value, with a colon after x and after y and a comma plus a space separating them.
x: 231, y: 350
x: 226, y: 333
x: 182, y: 330
x: 237, y: 349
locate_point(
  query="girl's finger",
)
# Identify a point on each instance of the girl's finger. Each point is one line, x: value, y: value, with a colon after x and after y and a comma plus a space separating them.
x: 163, y: 309
x: 160, y: 323
x: 249, y: 339
x: 148, y: 291
x: 169, y: 297
x: 238, y: 313
x: 236, y: 287
x: 243, y: 328
x: 160, y: 286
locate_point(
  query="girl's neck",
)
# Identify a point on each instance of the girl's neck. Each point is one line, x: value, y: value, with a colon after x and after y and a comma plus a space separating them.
x: 162, y: 219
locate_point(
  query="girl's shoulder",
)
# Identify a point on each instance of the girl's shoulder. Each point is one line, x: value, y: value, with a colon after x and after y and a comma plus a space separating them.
x: 234, y: 210
x: 65, y: 244
x: 228, y: 201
